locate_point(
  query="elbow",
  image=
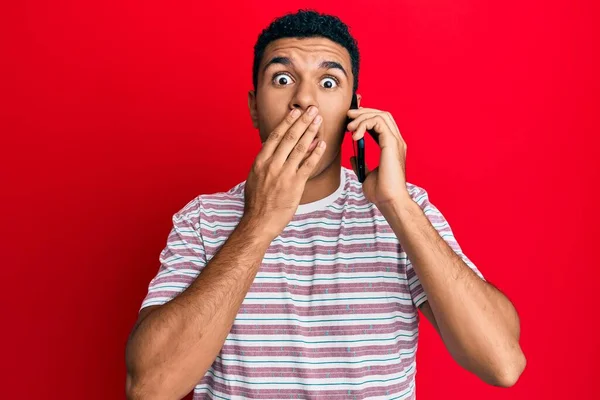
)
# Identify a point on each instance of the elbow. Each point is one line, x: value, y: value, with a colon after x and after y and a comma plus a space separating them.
x: 135, y: 391
x: 509, y: 374
x: 142, y: 382
x: 138, y: 389
x: 132, y: 392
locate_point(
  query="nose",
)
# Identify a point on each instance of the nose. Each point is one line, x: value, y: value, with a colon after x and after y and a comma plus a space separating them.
x: 304, y: 97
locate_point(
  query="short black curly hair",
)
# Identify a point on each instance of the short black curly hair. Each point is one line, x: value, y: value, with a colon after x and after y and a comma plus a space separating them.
x: 305, y: 24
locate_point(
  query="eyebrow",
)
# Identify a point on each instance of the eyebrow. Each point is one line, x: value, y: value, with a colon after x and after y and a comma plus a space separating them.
x: 323, y: 65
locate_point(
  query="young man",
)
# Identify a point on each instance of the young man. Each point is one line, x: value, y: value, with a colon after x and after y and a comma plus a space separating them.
x: 301, y: 282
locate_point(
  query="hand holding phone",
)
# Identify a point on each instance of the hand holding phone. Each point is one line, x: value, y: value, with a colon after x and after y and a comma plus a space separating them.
x: 358, y: 146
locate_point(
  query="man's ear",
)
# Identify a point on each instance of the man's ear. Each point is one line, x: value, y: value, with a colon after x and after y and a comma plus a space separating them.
x: 252, y: 108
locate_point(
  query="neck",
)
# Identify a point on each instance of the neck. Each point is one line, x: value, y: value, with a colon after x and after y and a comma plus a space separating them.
x: 324, y: 184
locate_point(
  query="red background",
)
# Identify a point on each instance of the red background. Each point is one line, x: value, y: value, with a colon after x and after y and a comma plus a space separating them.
x: 116, y: 114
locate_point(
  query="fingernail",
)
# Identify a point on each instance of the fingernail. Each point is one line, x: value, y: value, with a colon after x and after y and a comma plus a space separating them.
x: 318, y: 120
x: 312, y: 111
x: 295, y: 113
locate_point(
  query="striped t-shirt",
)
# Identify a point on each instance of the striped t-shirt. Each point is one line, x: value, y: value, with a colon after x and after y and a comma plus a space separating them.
x: 332, y: 312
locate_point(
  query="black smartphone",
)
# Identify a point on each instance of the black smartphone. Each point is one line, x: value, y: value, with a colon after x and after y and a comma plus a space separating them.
x: 358, y: 146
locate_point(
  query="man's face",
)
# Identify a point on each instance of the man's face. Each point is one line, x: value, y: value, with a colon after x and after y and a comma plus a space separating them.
x: 299, y: 73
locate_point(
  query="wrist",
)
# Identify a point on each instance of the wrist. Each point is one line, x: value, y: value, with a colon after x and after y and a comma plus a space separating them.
x: 398, y: 206
x: 254, y: 233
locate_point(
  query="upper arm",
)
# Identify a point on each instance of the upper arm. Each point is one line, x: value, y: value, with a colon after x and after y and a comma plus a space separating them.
x: 181, y: 260
x: 144, y: 312
x: 443, y: 228
x: 428, y: 313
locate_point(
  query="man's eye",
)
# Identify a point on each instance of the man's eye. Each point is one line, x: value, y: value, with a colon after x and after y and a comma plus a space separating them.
x: 282, y: 79
x: 329, y: 83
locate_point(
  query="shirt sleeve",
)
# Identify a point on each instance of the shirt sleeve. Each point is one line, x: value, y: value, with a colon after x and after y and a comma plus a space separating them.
x: 439, y: 222
x: 181, y: 261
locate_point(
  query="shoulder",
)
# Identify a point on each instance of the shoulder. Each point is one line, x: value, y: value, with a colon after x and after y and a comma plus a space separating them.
x: 227, y: 201
x: 419, y: 194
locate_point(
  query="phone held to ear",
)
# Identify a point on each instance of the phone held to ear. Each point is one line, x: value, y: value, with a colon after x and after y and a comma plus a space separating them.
x: 358, y: 146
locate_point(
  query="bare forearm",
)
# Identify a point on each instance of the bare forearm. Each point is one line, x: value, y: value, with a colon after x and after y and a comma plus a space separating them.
x: 173, y: 347
x: 478, y: 324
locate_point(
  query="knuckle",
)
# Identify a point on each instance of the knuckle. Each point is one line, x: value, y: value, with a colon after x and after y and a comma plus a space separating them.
x: 314, y: 157
x: 289, y: 119
x: 258, y: 164
x: 270, y: 171
x: 258, y: 168
x: 275, y: 135
x: 301, y: 148
x: 291, y: 136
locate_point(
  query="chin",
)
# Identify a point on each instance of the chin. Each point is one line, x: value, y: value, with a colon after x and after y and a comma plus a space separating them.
x: 323, y: 165
x: 317, y: 170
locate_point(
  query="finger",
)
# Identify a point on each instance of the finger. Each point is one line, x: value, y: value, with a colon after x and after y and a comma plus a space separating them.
x: 293, y: 135
x: 362, y: 110
x: 386, y: 116
x: 276, y: 136
x: 352, y: 126
x: 308, y: 166
x: 379, y: 126
x: 306, y: 144
x: 356, y: 121
x: 355, y: 113
x: 392, y: 121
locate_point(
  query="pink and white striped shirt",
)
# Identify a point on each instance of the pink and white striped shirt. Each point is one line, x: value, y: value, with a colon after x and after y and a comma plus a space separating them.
x: 332, y: 312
